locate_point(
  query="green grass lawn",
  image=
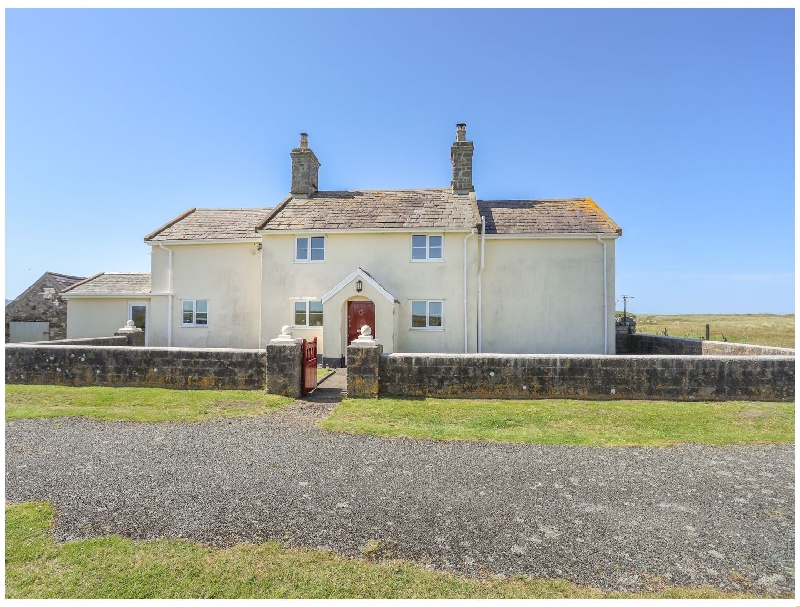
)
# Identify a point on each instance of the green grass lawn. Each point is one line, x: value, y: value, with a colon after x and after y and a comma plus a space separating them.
x: 113, y: 567
x: 137, y: 404
x: 760, y: 329
x: 568, y: 422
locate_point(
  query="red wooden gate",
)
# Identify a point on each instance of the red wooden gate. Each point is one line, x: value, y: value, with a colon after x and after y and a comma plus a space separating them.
x: 309, y: 365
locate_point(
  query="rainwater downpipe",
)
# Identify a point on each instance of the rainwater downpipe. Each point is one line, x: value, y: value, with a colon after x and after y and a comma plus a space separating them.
x: 480, y: 276
x: 605, y: 296
x: 169, y: 305
x: 466, y: 343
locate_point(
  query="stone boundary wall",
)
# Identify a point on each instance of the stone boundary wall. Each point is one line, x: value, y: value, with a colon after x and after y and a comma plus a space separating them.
x: 528, y: 376
x: 183, y: 368
x: 642, y: 343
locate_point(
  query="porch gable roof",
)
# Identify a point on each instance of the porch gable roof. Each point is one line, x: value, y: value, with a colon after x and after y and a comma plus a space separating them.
x: 364, y: 275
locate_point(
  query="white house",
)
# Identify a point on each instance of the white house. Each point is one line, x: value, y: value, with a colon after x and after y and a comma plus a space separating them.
x: 430, y: 270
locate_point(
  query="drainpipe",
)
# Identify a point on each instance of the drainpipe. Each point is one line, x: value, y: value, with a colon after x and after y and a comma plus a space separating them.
x: 480, y: 275
x: 466, y: 343
x: 605, y: 296
x: 169, y: 304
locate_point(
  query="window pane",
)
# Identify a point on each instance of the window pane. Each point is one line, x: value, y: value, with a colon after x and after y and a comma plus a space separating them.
x: 315, y: 313
x: 434, y: 313
x: 418, y: 314
x: 302, y: 249
x: 188, y: 312
x: 318, y: 248
x: 202, y: 318
x: 435, y: 251
x: 418, y: 247
x: 300, y: 313
x: 202, y: 305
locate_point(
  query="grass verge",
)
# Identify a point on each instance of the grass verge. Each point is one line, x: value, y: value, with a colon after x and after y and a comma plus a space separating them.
x: 113, y: 567
x: 568, y: 422
x: 137, y: 404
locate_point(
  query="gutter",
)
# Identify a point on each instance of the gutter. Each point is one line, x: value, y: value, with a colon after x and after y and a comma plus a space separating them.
x: 169, y: 294
x: 605, y: 296
x: 480, y: 276
x: 466, y: 342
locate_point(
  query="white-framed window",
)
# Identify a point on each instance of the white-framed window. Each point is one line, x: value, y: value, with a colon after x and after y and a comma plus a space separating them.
x: 427, y: 248
x: 427, y: 314
x: 309, y: 248
x: 308, y: 313
x: 194, y: 313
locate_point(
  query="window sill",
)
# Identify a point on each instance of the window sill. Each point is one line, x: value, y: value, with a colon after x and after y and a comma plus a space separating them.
x: 194, y: 326
x: 309, y: 261
x: 427, y: 261
x: 426, y: 328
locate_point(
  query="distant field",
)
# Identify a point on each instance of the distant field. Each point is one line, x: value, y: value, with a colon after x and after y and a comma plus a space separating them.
x: 760, y: 329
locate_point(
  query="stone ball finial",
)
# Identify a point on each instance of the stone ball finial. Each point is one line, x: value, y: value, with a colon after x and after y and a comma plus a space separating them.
x: 130, y: 324
x: 366, y: 331
x: 286, y: 330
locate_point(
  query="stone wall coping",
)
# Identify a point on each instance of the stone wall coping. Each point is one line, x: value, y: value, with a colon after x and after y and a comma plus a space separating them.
x: 54, y: 345
x: 605, y: 357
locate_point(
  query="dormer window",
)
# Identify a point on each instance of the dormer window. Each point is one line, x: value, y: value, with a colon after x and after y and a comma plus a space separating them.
x: 309, y: 248
x: 426, y: 248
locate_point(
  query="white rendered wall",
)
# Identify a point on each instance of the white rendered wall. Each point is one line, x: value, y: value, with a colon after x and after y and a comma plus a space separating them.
x: 227, y: 276
x: 386, y: 257
x: 543, y: 296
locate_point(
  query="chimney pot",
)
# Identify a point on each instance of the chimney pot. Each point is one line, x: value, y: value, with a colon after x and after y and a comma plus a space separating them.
x: 461, y: 131
x: 303, y: 140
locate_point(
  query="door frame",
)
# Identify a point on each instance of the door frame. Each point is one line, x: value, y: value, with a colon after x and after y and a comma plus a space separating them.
x: 146, y: 305
x: 346, y: 325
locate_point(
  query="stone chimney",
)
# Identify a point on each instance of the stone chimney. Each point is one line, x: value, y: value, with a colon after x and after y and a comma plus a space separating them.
x: 461, y: 157
x: 305, y: 169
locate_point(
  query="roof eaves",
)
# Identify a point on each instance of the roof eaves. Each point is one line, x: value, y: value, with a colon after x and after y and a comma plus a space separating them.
x: 183, y: 215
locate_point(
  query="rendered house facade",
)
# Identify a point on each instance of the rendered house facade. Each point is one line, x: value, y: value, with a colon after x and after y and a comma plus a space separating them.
x: 430, y: 270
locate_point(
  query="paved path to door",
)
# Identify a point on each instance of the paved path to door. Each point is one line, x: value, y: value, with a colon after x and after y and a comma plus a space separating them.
x: 613, y: 518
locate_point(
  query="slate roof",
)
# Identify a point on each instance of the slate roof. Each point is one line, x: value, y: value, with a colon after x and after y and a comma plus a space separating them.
x: 65, y: 279
x: 211, y: 224
x: 113, y: 283
x: 359, y: 209
x: 562, y: 216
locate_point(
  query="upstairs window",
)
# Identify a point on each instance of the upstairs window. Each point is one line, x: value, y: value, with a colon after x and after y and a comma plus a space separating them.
x: 309, y: 248
x: 308, y: 314
x: 195, y: 313
x: 427, y: 315
x: 426, y: 248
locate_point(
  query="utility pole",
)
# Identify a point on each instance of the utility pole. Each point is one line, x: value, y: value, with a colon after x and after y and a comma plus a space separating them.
x: 625, y: 299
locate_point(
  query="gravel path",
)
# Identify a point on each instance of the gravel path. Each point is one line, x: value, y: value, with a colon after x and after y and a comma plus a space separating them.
x: 617, y: 518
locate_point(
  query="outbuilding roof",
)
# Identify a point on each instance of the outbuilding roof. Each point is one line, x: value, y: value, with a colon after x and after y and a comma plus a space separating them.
x: 113, y: 283
x: 211, y: 224
x: 66, y: 280
x: 370, y: 209
x: 558, y: 216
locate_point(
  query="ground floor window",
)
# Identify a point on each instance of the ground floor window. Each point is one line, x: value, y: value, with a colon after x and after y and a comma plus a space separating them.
x: 308, y: 314
x: 195, y: 313
x: 427, y: 314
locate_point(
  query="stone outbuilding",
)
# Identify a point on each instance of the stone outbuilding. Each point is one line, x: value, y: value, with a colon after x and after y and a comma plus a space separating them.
x: 39, y: 313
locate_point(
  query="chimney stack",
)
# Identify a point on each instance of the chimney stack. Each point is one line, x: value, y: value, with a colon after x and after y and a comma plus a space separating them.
x: 305, y: 169
x: 461, y: 157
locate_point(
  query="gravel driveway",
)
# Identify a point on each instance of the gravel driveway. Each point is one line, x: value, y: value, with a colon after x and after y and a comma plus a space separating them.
x: 614, y: 518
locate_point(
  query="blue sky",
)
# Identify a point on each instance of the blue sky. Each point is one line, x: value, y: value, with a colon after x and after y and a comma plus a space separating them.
x: 678, y: 123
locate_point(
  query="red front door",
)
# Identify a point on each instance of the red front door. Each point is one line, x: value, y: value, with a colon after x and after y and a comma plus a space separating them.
x: 359, y: 313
